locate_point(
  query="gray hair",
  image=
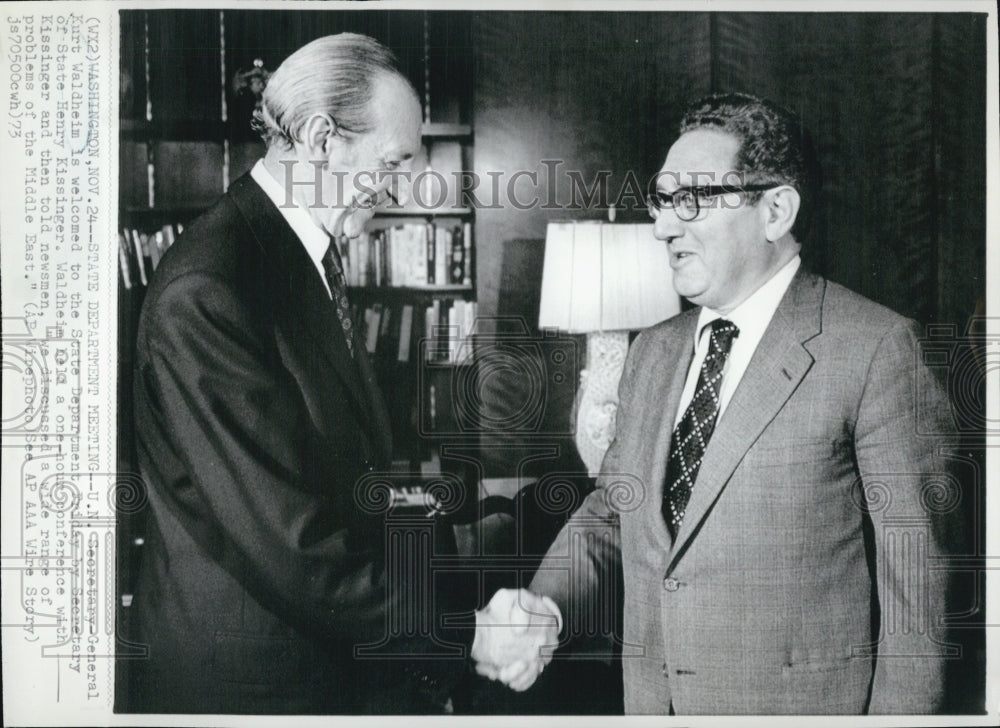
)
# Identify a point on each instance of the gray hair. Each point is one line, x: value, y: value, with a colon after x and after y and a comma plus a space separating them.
x: 334, y: 75
x: 775, y: 147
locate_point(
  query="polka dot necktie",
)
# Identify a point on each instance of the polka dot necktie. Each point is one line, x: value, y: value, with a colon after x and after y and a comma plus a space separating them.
x: 334, y: 271
x: 690, y: 438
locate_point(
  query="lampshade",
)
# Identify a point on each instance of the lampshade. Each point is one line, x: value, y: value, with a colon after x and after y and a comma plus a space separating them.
x: 605, y: 277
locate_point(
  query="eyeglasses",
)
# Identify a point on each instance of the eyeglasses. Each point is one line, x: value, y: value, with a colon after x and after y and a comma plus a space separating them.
x: 687, y: 202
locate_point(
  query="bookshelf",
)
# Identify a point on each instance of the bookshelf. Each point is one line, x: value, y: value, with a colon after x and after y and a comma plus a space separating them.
x: 406, y: 292
x: 416, y: 212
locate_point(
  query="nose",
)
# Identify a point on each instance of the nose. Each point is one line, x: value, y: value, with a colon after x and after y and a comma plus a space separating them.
x: 667, y: 226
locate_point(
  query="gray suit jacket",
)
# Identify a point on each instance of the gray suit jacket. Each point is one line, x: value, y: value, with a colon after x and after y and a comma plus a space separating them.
x: 803, y: 577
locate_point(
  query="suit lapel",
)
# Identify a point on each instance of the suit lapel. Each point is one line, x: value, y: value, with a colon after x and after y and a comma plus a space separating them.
x: 775, y: 371
x: 301, y: 292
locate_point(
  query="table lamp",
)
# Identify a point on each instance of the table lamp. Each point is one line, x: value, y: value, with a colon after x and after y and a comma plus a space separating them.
x: 603, y: 280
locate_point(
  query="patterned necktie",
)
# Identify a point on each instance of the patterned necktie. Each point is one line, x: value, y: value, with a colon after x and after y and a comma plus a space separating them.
x: 690, y: 437
x: 334, y: 271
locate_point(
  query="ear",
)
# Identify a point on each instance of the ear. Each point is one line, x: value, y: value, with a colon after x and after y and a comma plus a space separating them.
x: 780, y: 207
x: 319, y: 131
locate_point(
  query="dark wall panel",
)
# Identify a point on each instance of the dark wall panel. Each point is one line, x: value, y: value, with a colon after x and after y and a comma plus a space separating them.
x: 185, y: 65
x: 132, y: 91
x: 960, y: 164
x: 743, y: 53
x: 870, y: 111
x: 594, y: 91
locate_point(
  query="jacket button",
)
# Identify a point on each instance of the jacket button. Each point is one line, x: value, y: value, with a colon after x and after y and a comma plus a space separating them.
x: 671, y: 584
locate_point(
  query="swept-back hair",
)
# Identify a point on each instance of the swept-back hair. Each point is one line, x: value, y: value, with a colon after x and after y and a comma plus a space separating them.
x: 334, y: 75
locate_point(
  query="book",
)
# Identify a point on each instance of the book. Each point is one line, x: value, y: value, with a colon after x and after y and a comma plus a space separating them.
x: 366, y: 257
x: 386, y: 332
x: 454, y: 330
x: 466, y: 350
x: 169, y: 235
x: 417, y: 249
x: 442, y: 242
x: 405, y: 333
x: 431, y: 255
x: 155, y: 248
x: 430, y: 321
x: 139, y: 256
x: 467, y: 254
x: 123, y: 262
x: 443, y: 331
x: 457, y: 272
x: 378, y: 258
x: 373, y: 318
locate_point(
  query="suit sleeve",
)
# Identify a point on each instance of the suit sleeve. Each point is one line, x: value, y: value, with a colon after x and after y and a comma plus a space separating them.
x: 912, y: 501
x: 580, y: 570
x: 261, y: 495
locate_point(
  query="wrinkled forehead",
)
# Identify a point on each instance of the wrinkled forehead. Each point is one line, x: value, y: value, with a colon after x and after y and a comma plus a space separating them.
x: 699, y: 157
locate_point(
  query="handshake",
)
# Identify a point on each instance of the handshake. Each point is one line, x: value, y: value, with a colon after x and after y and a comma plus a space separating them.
x: 515, y: 636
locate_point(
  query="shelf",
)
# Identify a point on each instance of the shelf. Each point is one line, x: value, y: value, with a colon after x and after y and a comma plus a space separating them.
x: 179, y: 130
x: 190, y: 130
x: 452, y: 290
x: 446, y: 131
x: 421, y: 212
x: 147, y: 215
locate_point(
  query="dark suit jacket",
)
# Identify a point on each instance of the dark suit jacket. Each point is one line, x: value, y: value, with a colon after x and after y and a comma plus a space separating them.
x: 806, y: 575
x: 265, y: 564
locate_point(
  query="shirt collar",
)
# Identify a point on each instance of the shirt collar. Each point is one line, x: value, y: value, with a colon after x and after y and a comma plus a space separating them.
x: 313, y: 238
x: 756, y: 312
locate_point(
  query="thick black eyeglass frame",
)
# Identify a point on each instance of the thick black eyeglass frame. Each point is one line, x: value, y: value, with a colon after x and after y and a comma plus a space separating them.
x: 683, y: 199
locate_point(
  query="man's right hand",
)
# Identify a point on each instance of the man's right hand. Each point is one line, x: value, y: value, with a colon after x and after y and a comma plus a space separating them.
x: 515, y: 636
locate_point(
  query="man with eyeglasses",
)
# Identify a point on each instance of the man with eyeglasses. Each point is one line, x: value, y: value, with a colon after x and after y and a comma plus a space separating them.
x: 778, y: 512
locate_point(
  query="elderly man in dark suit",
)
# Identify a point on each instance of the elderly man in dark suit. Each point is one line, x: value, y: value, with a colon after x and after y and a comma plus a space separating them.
x: 258, y: 418
x: 777, y: 510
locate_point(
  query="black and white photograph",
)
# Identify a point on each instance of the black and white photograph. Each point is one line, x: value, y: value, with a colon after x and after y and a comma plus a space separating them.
x: 380, y: 359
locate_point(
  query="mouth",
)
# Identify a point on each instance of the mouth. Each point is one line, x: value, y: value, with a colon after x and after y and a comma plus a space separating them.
x: 679, y: 257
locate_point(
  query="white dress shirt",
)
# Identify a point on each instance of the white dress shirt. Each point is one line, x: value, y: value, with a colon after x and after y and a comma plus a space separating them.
x: 313, y: 239
x: 752, y: 318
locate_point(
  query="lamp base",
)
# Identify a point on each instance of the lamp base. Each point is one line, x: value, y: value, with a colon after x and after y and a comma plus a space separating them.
x: 597, y: 399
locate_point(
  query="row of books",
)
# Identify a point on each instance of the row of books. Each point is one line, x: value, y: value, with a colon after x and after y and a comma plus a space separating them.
x: 438, y: 332
x: 416, y: 255
x: 139, y: 253
x: 413, y: 254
